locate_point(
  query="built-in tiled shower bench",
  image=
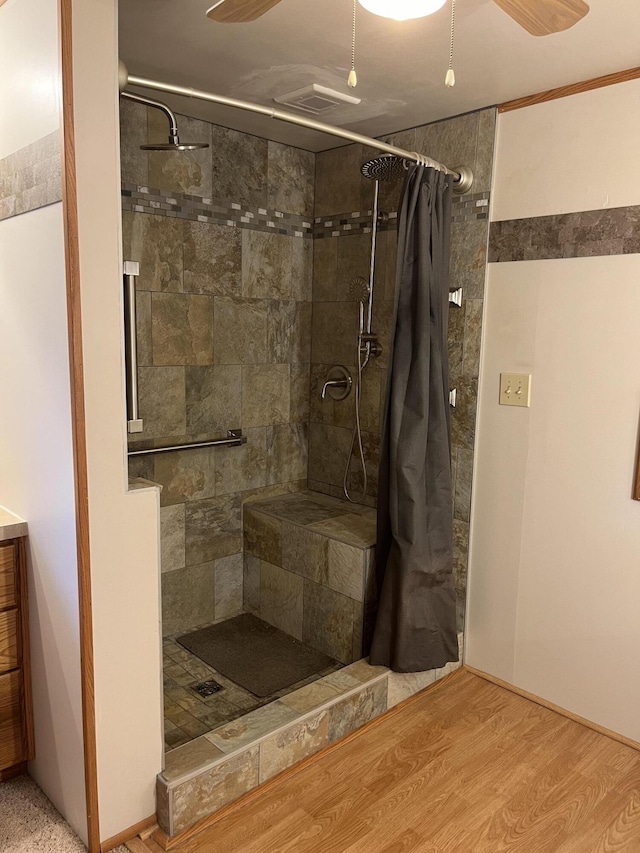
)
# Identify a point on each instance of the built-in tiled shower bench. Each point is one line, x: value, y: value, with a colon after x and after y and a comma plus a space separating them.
x: 309, y: 571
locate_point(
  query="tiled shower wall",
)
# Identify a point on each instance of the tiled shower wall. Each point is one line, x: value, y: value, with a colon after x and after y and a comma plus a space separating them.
x: 223, y: 237
x: 341, y: 251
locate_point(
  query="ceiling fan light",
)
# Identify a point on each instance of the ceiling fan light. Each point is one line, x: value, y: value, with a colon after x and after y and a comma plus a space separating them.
x: 402, y: 10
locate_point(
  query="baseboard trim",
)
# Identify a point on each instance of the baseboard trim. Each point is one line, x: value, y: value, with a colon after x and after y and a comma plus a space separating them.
x: 168, y: 843
x: 16, y: 769
x: 128, y: 834
x: 552, y: 707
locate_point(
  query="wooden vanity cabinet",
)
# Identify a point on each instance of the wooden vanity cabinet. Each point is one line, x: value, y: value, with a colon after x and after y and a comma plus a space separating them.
x: 16, y: 719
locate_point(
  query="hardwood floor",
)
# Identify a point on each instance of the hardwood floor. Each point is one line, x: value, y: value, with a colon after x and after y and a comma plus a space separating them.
x: 466, y: 767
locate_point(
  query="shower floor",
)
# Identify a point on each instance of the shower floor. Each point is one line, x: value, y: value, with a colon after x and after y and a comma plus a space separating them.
x: 188, y: 714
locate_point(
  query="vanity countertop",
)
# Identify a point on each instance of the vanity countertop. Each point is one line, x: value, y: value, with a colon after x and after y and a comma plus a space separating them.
x: 11, y: 525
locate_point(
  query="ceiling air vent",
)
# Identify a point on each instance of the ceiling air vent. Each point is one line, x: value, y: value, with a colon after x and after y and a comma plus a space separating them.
x: 315, y: 99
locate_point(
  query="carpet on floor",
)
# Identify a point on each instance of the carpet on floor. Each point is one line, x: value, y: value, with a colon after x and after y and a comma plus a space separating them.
x: 254, y: 654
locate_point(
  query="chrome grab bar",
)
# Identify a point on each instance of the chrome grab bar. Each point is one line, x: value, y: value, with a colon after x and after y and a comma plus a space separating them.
x: 234, y: 439
x: 131, y: 271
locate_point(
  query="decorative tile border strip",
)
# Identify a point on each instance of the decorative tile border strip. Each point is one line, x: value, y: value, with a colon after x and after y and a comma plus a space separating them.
x: 471, y: 207
x: 216, y: 769
x: 466, y: 208
x: 30, y: 178
x: 214, y: 211
x: 589, y: 233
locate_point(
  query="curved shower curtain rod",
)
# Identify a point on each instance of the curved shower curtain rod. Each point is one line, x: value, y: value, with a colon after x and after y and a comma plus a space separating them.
x: 463, y: 176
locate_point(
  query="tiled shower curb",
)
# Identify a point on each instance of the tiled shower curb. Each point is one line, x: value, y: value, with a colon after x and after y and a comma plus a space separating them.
x: 188, y: 791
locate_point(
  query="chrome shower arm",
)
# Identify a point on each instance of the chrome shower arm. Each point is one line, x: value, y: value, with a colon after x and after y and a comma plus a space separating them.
x: 173, y: 124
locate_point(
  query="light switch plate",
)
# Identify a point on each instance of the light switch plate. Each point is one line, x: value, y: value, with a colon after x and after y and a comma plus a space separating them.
x: 515, y: 389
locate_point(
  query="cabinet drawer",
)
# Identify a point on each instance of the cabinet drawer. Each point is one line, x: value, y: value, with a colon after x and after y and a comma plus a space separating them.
x: 8, y: 640
x: 8, y: 595
x: 12, y: 741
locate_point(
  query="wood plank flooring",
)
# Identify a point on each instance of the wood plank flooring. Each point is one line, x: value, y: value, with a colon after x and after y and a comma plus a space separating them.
x: 467, y: 767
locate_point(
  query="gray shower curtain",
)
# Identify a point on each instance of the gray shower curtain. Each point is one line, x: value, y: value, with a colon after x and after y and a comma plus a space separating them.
x: 415, y: 628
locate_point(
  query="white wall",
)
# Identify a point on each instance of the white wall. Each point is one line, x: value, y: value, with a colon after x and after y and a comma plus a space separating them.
x: 554, y: 578
x: 36, y: 463
x: 123, y: 527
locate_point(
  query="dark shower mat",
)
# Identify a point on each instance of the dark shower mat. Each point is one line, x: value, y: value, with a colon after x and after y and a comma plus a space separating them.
x: 255, y: 655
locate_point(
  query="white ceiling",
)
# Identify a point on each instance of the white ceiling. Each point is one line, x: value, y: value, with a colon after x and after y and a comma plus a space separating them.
x: 401, y: 66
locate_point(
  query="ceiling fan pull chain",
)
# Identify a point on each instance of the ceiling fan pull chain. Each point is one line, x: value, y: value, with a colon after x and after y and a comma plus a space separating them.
x: 450, y: 79
x: 352, y: 80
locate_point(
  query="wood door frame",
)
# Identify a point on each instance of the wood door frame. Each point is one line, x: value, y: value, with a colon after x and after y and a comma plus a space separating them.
x: 78, y: 423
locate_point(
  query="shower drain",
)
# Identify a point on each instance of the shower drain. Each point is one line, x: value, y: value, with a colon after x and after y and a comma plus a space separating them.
x: 208, y: 688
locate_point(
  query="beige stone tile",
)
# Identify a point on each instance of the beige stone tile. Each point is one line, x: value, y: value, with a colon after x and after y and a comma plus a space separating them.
x: 180, y: 171
x: 353, y: 712
x: 163, y: 811
x: 334, y: 332
x: 240, y: 330
x: 190, y: 758
x: 305, y: 553
x: 402, y: 685
x: 187, y: 598
x: 346, y: 569
x: 472, y: 336
x: 161, y: 395
x: 239, y: 167
x: 342, y: 681
x: 265, y: 394
x: 328, y: 453
x: 288, y: 331
x: 354, y: 260
x: 182, y: 329
x: 210, y: 791
x: 291, y: 174
x: 213, y: 399
x: 172, y: 538
x: 301, y: 268
x: 313, y: 695
x: 185, y: 475
x: 155, y: 242
x: 363, y: 671
x: 328, y: 621
x: 228, y: 586
x: 251, y: 584
x: 299, y: 402
x: 281, y: 599
x: 143, y: 328
x: 212, y: 259
x: 352, y: 528
x: 213, y: 528
x: 358, y: 647
x: 134, y: 163
x: 244, y: 467
x: 325, y: 269
x: 287, y: 452
x: 262, y: 535
x: 266, y: 265
x: 247, y: 729
x: 292, y: 745
x: 340, y: 188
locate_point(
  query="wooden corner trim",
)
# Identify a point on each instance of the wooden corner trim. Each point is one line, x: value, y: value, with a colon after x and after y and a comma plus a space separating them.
x: 556, y: 708
x: 74, y: 319
x: 128, y: 834
x: 572, y: 89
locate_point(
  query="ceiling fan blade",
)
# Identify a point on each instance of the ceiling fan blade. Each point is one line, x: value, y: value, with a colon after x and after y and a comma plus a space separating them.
x: 239, y: 11
x: 544, y: 17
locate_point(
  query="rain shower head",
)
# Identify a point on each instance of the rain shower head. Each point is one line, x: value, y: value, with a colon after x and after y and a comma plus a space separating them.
x: 174, y: 144
x: 388, y: 167
x: 359, y: 289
